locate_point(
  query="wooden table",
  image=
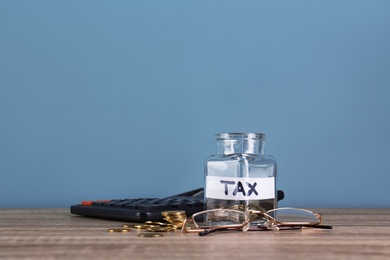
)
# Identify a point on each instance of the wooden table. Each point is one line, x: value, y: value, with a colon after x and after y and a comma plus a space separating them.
x: 56, y: 234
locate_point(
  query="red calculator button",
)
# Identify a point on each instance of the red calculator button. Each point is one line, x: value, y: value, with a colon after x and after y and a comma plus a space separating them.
x: 86, y: 202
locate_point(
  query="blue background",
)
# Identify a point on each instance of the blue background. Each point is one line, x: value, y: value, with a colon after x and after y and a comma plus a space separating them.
x: 115, y: 99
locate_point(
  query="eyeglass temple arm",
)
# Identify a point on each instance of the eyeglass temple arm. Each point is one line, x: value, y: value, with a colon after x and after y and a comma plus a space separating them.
x: 318, y: 226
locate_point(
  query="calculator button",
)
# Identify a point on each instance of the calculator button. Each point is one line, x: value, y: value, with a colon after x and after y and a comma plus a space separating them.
x: 87, y: 202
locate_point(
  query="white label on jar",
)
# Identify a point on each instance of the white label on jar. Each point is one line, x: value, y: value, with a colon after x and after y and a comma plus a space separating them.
x: 231, y: 188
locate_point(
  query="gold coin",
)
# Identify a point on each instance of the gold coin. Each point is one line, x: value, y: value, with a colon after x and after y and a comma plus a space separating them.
x: 173, y: 212
x: 173, y: 221
x: 163, y: 224
x: 175, y: 216
x: 149, y: 226
x: 119, y: 230
x: 169, y: 225
x: 154, y: 223
x: 127, y: 226
x: 151, y: 234
x: 160, y: 229
x: 170, y: 220
x: 141, y: 226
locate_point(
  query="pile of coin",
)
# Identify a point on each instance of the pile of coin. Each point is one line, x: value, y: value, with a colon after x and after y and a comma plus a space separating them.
x: 149, y: 226
x: 175, y: 217
x: 174, y: 220
x: 154, y: 226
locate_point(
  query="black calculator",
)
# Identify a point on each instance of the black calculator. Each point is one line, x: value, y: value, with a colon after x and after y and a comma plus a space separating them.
x: 144, y: 209
x: 140, y: 209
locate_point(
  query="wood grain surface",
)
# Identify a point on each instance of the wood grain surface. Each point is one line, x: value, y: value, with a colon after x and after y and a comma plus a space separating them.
x: 57, y: 234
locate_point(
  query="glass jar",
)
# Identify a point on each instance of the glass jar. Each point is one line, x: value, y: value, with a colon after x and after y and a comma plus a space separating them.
x: 240, y: 176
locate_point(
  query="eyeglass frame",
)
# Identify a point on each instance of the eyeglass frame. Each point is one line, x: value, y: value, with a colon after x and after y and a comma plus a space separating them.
x: 273, y: 224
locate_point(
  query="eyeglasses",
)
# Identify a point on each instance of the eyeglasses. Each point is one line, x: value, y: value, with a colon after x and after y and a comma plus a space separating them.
x: 208, y: 221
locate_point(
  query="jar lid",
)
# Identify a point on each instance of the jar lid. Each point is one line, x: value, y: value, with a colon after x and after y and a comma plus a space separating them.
x: 251, y: 136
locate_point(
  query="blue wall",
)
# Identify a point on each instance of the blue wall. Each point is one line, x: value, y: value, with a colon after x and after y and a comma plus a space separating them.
x: 115, y: 99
